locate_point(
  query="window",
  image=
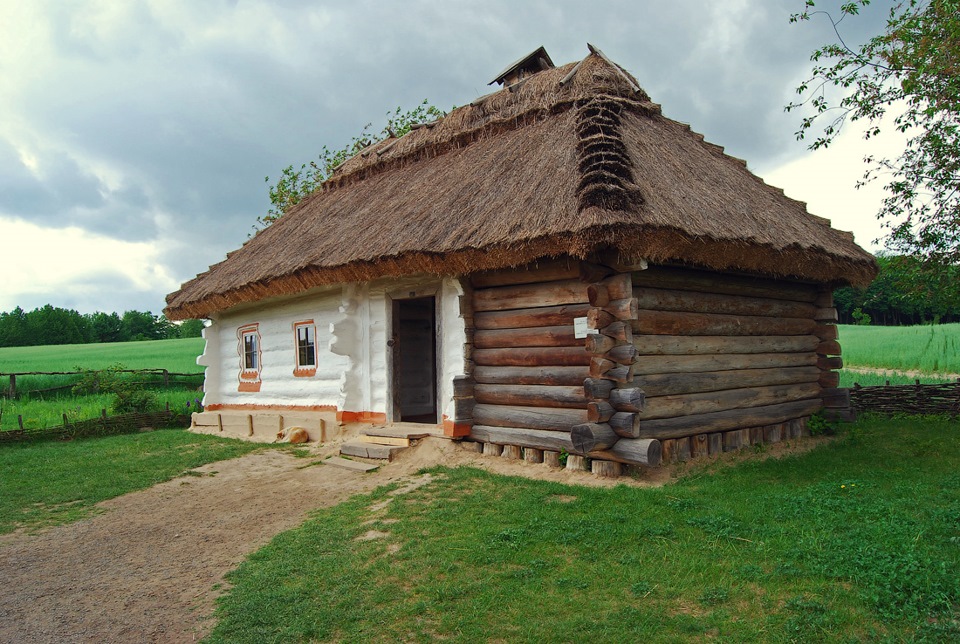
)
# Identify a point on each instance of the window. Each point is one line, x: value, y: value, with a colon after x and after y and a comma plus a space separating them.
x: 250, y: 352
x: 305, y: 337
x: 250, y: 357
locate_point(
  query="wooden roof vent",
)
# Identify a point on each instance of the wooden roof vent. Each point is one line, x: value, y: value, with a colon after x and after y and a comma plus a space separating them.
x: 529, y: 65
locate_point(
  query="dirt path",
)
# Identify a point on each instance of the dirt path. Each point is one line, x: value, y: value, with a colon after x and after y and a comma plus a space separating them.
x: 148, y: 567
x: 910, y: 373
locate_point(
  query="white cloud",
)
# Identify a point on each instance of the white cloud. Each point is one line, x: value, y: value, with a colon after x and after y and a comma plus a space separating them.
x: 71, y: 263
x: 825, y: 179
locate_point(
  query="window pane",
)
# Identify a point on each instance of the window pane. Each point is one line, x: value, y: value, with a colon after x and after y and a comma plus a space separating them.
x: 306, y: 347
x: 250, y: 351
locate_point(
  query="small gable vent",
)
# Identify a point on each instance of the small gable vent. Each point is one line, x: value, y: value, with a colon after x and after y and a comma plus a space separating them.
x: 529, y: 65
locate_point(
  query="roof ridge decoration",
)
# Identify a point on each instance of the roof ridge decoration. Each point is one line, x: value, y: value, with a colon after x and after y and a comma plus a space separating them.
x: 606, y: 169
x: 508, y: 108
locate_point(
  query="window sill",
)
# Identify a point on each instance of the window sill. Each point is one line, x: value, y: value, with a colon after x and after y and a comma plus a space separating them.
x: 249, y: 386
x: 305, y: 372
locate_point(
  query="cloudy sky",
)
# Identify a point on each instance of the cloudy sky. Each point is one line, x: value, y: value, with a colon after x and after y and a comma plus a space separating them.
x: 135, y: 135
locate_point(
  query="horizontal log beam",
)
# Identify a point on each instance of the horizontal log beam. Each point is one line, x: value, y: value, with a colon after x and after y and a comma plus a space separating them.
x: 827, y: 364
x: 528, y: 417
x: 597, y: 388
x: 531, y: 357
x: 531, y: 395
x: 727, y: 420
x: 626, y: 424
x: 628, y: 399
x: 721, y: 362
x: 677, y: 323
x: 522, y: 296
x: 555, y: 441
x: 829, y: 348
x: 633, y: 451
x: 711, y: 282
x: 588, y: 437
x: 599, y: 411
x: 544, y: 336
x: 550, y: 270
x: 670, y: 384
x: 692, y: 302
x: 541, y: 316
x: 547, y: 375
x: 623, y: 354
x: 696, y: 345
x: 704, y: 403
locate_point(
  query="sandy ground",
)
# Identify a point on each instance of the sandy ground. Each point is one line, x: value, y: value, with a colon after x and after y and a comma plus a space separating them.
x: 910, y: 373
x: 149, y: 567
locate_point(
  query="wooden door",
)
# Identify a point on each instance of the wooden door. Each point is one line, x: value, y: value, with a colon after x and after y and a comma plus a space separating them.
x: 415, y: 360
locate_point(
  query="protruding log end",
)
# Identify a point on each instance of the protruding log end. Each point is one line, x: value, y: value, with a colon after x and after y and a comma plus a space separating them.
x: 588, y: 437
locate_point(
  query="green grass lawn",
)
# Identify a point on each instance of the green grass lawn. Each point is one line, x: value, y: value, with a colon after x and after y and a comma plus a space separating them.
x: 931, y: 349
x: 858, y: 540
x: 174, y: 355
x: 51, y: 482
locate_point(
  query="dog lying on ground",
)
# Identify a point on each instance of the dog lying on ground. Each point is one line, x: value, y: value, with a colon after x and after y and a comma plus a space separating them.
x: 292, y: 435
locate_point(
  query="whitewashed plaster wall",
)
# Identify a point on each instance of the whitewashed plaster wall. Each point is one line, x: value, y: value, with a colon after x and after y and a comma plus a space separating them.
x: 354, y: 362
x: 279, y: 386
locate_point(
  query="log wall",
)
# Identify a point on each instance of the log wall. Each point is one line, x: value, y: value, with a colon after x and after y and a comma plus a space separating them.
x: 528, y: 367
x: 697, y: 360
x: 720, y: 353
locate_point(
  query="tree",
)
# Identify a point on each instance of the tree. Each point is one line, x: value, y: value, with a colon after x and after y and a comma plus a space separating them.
x: 910, y: 72
x: 294, y: 185
x: 107, y: 327
x: 141, y: 325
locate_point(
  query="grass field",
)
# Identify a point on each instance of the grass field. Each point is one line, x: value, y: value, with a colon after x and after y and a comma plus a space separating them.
x: 174, y: 355
x: 46, y: 483
x: 928, y: 349
x: 40, y: 410
x: 858, y: 540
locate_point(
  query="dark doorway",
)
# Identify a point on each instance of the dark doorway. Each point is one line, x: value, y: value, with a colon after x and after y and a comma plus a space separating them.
x: 415, y: 360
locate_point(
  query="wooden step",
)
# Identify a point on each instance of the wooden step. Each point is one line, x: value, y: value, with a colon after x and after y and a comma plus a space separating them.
x: 347, y: 464
x: 396, y: 441
x: 369, y: 450
x: 403, y: 430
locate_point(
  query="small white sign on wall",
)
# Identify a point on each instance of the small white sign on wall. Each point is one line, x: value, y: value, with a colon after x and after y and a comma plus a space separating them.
x: 580, y: 328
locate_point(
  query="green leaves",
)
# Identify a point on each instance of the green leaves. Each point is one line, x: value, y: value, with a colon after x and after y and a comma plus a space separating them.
x: 296, y: 184
x: 910, y: 72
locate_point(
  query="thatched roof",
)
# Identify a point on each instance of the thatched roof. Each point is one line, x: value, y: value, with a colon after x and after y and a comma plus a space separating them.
x: 568, y: 161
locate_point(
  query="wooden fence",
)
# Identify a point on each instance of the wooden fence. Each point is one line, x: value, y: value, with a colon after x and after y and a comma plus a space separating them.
x: 103, y: 426
x: 907, y: 399
x: 155, y: 377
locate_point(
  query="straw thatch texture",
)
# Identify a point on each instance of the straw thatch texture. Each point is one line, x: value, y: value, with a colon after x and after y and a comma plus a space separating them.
x: 539, y: 170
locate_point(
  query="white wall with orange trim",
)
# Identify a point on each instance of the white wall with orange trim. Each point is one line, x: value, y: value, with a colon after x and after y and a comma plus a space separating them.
x: 279, y: 386
x: 353, y: 325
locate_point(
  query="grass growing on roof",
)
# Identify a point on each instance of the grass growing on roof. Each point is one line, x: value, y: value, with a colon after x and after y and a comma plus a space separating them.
x: 858, y: 540
x: 48, y: 482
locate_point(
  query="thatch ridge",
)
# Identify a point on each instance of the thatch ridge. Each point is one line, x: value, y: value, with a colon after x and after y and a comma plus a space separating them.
x: 538, y: 170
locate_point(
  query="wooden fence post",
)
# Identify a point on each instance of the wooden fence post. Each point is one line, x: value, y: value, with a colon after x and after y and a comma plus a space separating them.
x: 13, y: 386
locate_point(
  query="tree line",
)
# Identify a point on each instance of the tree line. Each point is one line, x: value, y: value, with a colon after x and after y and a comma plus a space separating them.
x: 53, y: 325
x: 905, y: 292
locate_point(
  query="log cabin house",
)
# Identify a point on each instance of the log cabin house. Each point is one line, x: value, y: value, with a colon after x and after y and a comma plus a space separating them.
x: 554, y: 266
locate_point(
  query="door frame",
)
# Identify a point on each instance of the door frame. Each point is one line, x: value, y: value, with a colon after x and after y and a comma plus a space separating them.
x: 394, y: 297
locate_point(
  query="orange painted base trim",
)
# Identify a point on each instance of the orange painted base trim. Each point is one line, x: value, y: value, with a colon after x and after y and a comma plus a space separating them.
x: 249, y: 386
x: 252, y: 407
x: 453, y: 429
x: 361, y: 417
